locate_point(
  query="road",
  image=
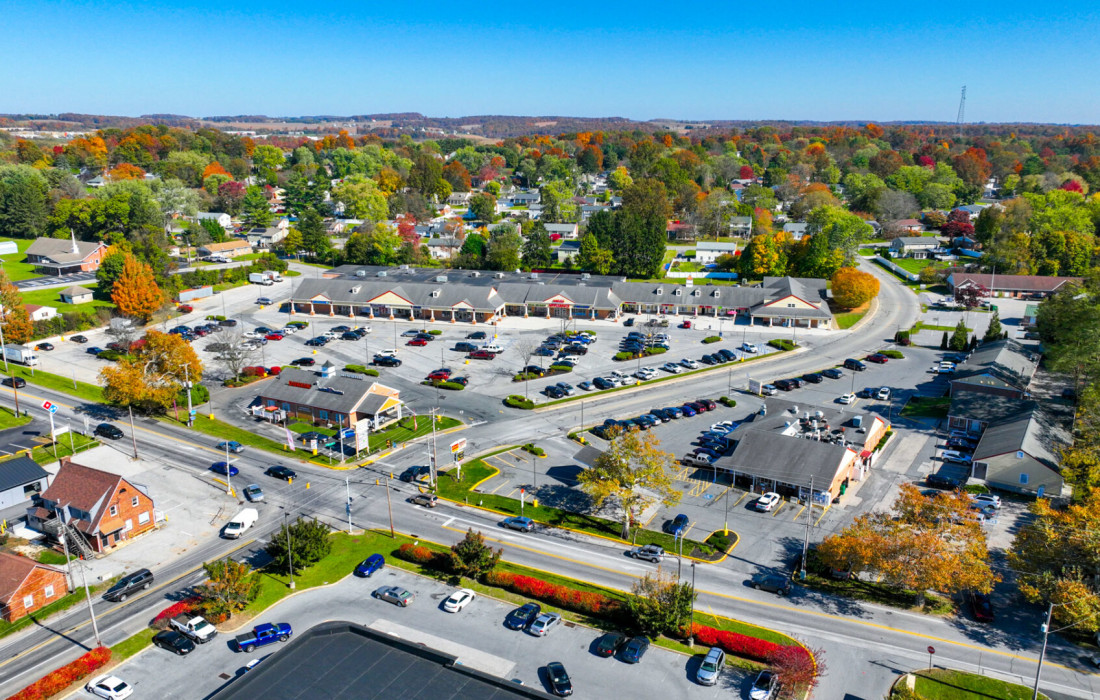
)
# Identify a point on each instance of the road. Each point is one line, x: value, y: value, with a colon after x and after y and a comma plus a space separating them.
x: 865, y: 645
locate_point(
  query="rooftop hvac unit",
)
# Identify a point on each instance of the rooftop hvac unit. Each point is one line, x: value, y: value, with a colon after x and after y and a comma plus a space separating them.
x: 361, y: 273
x: 404, y: 267
x: 475, y: 273
x: 857, y: 421
x: 383, y: 273
x: 534, y: 275
x: 499, y: 275
x: 442, y: 279
x: 794, y: 410
x: 819, y: 414
x: 355, y: 289
x: 586, y: 276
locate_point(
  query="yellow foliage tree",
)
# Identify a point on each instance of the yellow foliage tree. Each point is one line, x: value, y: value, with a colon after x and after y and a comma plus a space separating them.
x: 18, y: 328
x: 852, y: 288
x: 136, y: 293
x: 150, y: 378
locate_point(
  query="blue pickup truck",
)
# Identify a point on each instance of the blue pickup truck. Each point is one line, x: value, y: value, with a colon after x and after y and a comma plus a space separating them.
x: 262, y: 635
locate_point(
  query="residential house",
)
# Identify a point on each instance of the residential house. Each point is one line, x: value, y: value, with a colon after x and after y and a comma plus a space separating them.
x: 741, y: 226
x: 459, y: 199
x: 21, y: 479
x: 522, y: 199
x: 908, y: 226
x: 567, y: 249
x: 708, y: 252
x: 229, y: 249
x: 1022, y: 453
x: 919, y: 247
x: 56, y: 256
x: 221, y: 218
x: 264, y: 238
x: 100, y: 509
x: 587, y: 210
x: 973, y: 210
x: 26, y: 586
x: 40, y: 313
x: 566, y: 231
x: 679, y: 231
x: 997, y: 368
x: 796, y: 230
x: 75, y: 295
x: 329, y: 397
x: 1019, y: 286
x: 444, y: 247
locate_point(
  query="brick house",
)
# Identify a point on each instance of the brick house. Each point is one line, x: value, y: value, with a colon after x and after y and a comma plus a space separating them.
x: 104, y: 508
x: 55, y: 256
x: 26, y: 586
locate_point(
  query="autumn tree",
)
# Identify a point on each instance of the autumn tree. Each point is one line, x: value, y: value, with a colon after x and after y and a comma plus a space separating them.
x: 852, y: 287
x: 1057, y: 556
x: 765, y: 255
x: 471, y: 557
x: 659, y: 604
x: 18, y: 327
x: 229, y: 587
x: 135, y: 292
x: 153, y: 374
x: 924, y: 543
x: 632, y: 461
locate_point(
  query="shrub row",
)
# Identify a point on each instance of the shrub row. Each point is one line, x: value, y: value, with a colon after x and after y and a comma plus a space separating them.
x: 435, y: 332
x: 782, y: 344
x: 586, y: 602
x: 424, y: 556
x: 711, y: 339
x: 516, y: 401
x: 360, y: 369
x: 735, y: 643
x: 560, y: 369
x: 449, y: 386
x: 62, y: 678
x: 892, y: 354
x: 183, y: 607
x: 727, y: 402
x: 537, y: 451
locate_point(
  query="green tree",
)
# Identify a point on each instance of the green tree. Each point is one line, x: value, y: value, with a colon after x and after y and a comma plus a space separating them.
x: 537, y: 250
x: 944, y: 341
x: 426, y: 176
x: 638, y: 248
x: 994, y: 331
x: 592, y: 257
x: 257, y: 211
x: 845, y: 231
x: 214, y: 230
x: 502, y: 252
x: 267, y: 158
x: 604, y: 227
x: 309, y: 544
x: 229, y: 587
x: 379, y: 245
x: 472, y: 254
x: 959, y: 341
x: 110, y: 268
x: 314, y: 237
x: 661, y: 605
x: 361, y: 198
x: 293, y: 242
x: 472, y: 558
x: 23, y: 201
x: 632, y: 460
x: 484, y: 207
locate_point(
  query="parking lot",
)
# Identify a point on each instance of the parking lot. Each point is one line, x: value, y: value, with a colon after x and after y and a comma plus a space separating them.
x: 476, y: 636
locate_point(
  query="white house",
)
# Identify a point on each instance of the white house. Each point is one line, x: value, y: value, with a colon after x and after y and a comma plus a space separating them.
x: 444, y: 247
x: 221, y: 218
x: 40, y: 313
x: 708, y: 252
x: 567, y: 231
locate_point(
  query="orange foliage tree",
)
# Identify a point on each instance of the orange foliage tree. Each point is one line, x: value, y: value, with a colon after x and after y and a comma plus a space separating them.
x: 126, y: 171
x: 136, y: 293
x: 852, y: 288
x: 152, y: 377
x: 215, y: 168
x: 18, y: 328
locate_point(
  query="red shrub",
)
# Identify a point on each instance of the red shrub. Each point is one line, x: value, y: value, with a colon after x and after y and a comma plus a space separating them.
x: 184, y: 606
x: 561, y: 596
x: 736, y: 644
x: 423, y: 555
x: 60, y: 679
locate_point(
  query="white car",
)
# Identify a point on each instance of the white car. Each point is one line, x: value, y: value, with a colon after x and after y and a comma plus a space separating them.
x: 493, y: 348
x: 725, y: 426
x: 289, y: 330
x: 883, y: 394
x: 110, y: 687
x: 690, y: 364
x: 616, y: 375
x: 365, y: 329
x: 672, y: 367
x: 768, y: 501
x: 955, y: 456
x: 769, y: 390
x: 458, y: 600
x: 848, y: 398
x: 543, y: 624
x: 749, y: 348
x: 251, y: 334
x: 987, y: 499
x: 386, y: 353
x: 332, y: 335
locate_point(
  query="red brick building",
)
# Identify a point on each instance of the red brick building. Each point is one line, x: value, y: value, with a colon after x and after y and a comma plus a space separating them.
x: 102, y: 507
x: 26, y: 586
x: 56, y: 256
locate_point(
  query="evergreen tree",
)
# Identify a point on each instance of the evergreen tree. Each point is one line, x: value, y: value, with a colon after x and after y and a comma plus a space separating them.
x: 994, y: 330
x: 314, y: 237
x: 257, y: 211
x: 959, y: 340
x: 537, y: 250
x: 943, y: 343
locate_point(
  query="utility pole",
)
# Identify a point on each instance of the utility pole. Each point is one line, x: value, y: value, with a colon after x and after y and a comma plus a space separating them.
x: 534, y: 476
x: 289, y: 553
x: 1043, y: 651
x: 435, y: 458
x: 91, y: 610
x: 389, y: 508
x: 133, y: 434
x: 691, y: 618
x: 809, y: 522
x: 187, y: 383
x: 65, y: 547
x: 347, y: 485
x: 3, y: 314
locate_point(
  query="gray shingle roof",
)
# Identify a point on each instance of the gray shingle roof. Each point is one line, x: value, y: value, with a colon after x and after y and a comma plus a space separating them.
x: 987, y: 408
x: 1035, y: 433
x: 60, y: 250
x: 787, y: 459
x: 998, y: 363
x: 339, y: 394
x: 20, y: 471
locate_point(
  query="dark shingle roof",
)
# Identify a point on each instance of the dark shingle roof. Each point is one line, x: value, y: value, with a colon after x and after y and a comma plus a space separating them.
x: 20, y: 471
x: 1001, y: 362
x: 1035, y: 433
x: 340, y: 394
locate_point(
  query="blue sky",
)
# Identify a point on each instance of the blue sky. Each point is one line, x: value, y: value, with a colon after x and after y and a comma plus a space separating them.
x: 795, y: 60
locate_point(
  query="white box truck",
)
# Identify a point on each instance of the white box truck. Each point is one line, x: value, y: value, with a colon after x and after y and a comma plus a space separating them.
x: 260, y: 278
x: 240, y: 522
x: 21, y: 354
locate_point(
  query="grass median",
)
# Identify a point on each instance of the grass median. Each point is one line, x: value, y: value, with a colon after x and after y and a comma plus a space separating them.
x: 455, y: 489
x: 57, y: 382
x: 945, y: 684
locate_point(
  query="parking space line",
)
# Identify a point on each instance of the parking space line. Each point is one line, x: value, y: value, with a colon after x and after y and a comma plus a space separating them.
x: 511, y: 492
x: 743, y: 494
x: 798, y: 513
x: 776, y: 511
x: 822, y: 515
x: 685, y: 534
x: 499, y: 486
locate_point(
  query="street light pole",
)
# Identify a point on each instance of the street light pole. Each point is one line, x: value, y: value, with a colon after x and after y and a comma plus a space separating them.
x: 91, y: 610
x: 289, y: 553
x: 1042, y: 652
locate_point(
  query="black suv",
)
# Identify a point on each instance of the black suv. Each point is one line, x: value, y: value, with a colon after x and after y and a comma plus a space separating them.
x: 465, y: 347
x: 386, y: 361
x: 108, y: 431
x: 128, y: 585
x: 854, y: 365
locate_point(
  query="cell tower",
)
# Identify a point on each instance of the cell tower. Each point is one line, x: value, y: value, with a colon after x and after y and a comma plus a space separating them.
x: 962, y: 111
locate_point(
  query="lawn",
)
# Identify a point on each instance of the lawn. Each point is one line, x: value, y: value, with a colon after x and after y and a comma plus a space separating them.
x: 8, y: 419
x: 224, y: 431
x: 927, y: 407
x: 405, y: 430
x: 847, y: 319
x: 67, y: 385
x: 65, y: 445
x: 922, y: 326
x: 52, y: 297
x: 945, y: 684
x: 915, y: 266
x: 13, y: 263
x: 132, y: 645
x: 477, y: 470
x: 65, y: 603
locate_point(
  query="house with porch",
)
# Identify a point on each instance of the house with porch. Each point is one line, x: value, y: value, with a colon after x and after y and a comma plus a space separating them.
x: 919, y: 247
x: 95, y: 509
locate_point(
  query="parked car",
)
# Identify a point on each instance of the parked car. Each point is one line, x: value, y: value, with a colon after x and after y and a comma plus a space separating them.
x: 987, y: 499
x: 417, y: 342
x: 854, y: 365
x: 961, y: 444
x: 559, y: 679
x: 94, y: 350
x: 634, y: 650
x: 386, y: 361
x: 814, y: 377
x: 476, y: 335
x: 110, y: 687
x: 78, y: 339
x: 832, y: 373
x: 108, y: 431
x: 44, y: 346
x: 707, y: 404
x: 877, y: 358
x: 765, y: 687
x: 672, y: 368
x: 688, y: 410
x: 396, y: 595
x: 458, y: 600
x: 370, y: 565
x: 727, y: 355
x: 128, y: 585
x: 629, y: 322
x: 317, y: 342
x: 785, y: 384
x: 603, y: 383
x: 609, y: 643
x: 955, y: 456
x: 439, y: 375
x: 518, y: 523
x: 942, y: 482
x: 767, y: 501
x: 883, y: 394
x: 774, y: 583
x: 848, y: 398
x: 175, y: 642
x: 280, y: 472
x: 678, y: 525
x: 769, y: 390
x: 750, y: 348
x: 481, y: 355
x: 465, y: 347
x: 544, y: 623
x: 711, y: 667
x: 554, y: 391
x: 522, y: 617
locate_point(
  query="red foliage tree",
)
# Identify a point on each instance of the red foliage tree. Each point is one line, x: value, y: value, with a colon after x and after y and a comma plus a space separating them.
x: 958, y: 215
x: 926, y: 162
x: 1072, y: 186
x: 954, y: 229
x: 746, y: 173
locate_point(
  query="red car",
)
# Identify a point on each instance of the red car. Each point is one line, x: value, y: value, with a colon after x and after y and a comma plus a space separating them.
x: 707, y: 403
x: 185, y: 309
x: 481, y: 355
x: 273, y: 336
x: 685, y: 324
x: 877, y: 359
x: 418, y: 342
x: 439, y: 375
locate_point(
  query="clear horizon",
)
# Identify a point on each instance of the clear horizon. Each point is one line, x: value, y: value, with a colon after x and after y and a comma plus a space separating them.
x: 642, y: 62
